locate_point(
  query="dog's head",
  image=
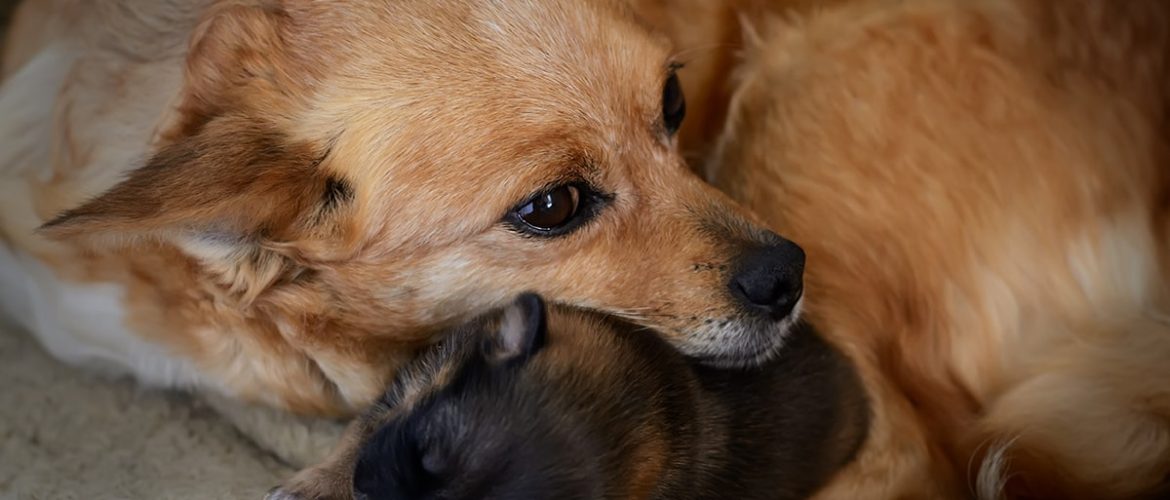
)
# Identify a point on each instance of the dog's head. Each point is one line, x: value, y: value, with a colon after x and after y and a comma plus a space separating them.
x: 400, y: 166
x: 535, y: 405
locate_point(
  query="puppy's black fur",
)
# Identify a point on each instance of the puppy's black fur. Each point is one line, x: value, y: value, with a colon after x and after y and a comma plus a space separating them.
x: 567, y: 405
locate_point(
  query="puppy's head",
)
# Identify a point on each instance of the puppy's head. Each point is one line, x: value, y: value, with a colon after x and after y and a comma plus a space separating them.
x: 559, y: 403
x: 537, y: 406
x: 399, y: 166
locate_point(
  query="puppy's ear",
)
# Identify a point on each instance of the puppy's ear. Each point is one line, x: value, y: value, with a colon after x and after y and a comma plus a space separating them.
x: 522, y: 332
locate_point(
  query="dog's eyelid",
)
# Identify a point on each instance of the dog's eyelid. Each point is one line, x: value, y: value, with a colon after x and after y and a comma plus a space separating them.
x: 592, y: 201
x: 566, y: 168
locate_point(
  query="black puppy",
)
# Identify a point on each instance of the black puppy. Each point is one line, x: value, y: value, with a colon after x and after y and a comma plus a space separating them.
x: 560, y: 404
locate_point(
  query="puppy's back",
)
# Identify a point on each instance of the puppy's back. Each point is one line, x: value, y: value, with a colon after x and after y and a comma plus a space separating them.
x: 790, y: 424
x: 600, y: 409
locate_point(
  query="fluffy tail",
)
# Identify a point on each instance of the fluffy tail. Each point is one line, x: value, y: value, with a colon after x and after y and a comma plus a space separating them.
x: 1092, y: 422
x: 990, y: 481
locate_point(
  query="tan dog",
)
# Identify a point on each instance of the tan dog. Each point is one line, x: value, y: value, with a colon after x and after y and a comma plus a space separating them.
x: 325, y: 184
x: 983, y: 190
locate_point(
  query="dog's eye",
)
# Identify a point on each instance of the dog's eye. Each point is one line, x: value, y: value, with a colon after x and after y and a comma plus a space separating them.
x: 674, y: 105
x: 551, y: 209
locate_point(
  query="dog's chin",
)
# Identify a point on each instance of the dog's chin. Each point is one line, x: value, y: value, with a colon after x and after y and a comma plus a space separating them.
x: 756, y: 343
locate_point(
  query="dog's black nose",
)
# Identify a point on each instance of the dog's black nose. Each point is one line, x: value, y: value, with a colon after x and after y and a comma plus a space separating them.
x: 770, y: 279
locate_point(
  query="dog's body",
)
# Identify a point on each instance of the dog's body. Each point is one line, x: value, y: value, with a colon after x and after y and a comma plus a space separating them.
x: 280, y: 199
x: 590, y: 408
x: 708, y: 35
x: 982, y: 187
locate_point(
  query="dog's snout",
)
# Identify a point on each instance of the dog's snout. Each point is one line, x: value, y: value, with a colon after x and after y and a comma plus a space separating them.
x: 770, y: 279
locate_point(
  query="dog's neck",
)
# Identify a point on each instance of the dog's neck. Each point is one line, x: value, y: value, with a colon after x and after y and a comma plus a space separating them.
x: 263, y: 349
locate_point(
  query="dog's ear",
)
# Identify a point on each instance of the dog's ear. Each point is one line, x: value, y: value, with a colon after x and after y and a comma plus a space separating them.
x: 230, y: 187
x: 235, y: 180
x: 238, y: 196
x: 522, y: 332
x: 240, y: 56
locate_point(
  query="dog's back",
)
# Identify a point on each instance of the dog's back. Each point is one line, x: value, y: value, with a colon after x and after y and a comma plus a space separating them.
x: 982, y: 190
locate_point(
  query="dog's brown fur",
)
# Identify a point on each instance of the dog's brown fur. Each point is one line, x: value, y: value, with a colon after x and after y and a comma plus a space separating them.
x: 982, y: 187
x: 709, y: 36
x: 324, y: 182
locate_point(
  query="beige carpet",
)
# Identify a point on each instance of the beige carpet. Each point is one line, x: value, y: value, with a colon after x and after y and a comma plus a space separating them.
x: 67, y: 434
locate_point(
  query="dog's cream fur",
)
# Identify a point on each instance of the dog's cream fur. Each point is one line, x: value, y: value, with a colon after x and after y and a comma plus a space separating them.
x: 322, y: 185
x: 983, y: 188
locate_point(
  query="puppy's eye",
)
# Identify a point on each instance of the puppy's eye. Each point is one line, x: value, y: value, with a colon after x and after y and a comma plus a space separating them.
x: 552, y: 209
x: 674, y: 105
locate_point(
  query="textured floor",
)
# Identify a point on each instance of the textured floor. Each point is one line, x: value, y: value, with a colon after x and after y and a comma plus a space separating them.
x: 66, y: 434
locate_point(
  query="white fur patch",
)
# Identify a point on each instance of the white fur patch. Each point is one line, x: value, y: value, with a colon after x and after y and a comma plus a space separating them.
x: 27, y: 99
x: 1115, y: 268
x: 83, y: 324
x: 993, y: 472
x: 767, y: 344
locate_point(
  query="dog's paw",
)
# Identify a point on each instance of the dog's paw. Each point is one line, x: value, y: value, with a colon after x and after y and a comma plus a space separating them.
x: 279, y: 493
x: 283, y: 493
x: 321, y: 482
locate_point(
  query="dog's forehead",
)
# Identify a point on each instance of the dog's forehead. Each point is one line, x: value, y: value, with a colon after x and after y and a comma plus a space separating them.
x: 425, y: 99
x: 567, y: 34
x: 517, y: 51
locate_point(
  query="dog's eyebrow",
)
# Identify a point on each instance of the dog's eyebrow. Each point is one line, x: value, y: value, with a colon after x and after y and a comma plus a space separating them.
x: 588, y: 165
x: 574, y: 165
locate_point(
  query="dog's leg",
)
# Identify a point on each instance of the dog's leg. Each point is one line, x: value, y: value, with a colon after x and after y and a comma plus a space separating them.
x: 298, y: 441
x: 332, y: 479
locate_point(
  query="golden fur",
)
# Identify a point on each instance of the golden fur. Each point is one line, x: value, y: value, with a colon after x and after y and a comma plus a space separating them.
x: 322, y: 185
x: 982, y: 188
x: 708, y: 36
